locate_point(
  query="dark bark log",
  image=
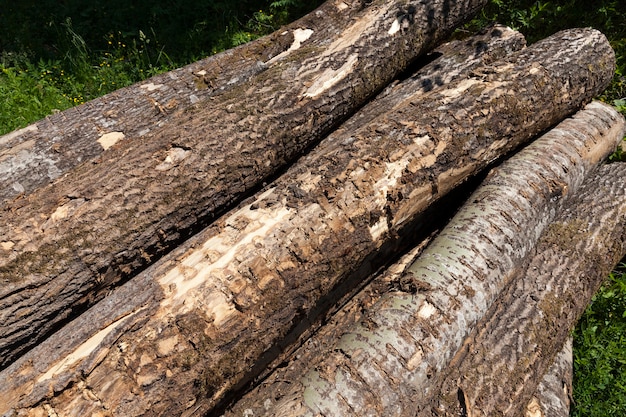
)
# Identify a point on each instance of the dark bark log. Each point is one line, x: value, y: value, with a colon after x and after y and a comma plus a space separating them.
x: 505, y: 357
x: 182, y: 335
x: 34, y: 156
x: 96, y: 226
x: 393, y: 360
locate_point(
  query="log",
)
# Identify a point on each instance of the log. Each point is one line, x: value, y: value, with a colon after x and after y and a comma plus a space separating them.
x: 493, y: 42
x: 66, y: 245
x: 504, y: 358
x: 391, y: 362
x: 553, y: 397
x: 34, y: 156
x: 183, y: 335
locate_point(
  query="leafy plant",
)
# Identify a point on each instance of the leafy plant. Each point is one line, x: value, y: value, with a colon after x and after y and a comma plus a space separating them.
x: 600, y: 352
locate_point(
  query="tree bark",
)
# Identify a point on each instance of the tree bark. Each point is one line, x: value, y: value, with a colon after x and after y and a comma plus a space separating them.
x: 504, y: 358
x: 553, y: 397
x: 34, y: 156
x: 392, y: 361
x: 95, y: 227
x: 203, y: 321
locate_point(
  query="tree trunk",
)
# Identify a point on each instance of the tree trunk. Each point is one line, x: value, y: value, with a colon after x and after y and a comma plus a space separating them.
x: 457, y: 57
x: 553, y: 397
x: 391, y: 362
x: 506, y: 355
x: 34, y: 156
x: 204, y: 320
x: 103, y: 221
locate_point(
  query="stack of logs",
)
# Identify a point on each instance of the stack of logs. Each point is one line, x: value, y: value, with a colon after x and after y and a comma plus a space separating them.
x: 298, y: 226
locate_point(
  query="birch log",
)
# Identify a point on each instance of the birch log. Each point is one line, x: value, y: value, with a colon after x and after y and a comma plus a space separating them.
x: 66, y: 245
x: 34, y: 156
x: 180, y: 337
x: 392, y: 361
x: 506, y: 355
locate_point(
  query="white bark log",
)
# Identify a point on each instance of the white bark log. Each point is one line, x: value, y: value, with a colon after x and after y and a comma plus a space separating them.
x: 505, y: 356
x: 551, y: 399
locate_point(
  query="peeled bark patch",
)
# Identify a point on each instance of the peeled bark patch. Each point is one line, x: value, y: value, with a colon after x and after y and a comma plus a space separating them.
x: 393, y: 360
x: 209, y: 315
x: 103, y: 221
x: 505, y: 357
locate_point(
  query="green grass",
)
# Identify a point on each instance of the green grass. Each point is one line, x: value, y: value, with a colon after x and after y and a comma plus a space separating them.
x: 30, y: 91
x: 600, y: 352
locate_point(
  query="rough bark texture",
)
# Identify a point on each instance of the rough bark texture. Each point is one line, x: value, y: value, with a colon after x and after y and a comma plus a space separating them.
x: 393, y: 360
x: 553, y: 397
x: 108, y: 218
x: 245, y: 308
x: 504, y: 358
x: 179, y: 336
x: 34, y: 156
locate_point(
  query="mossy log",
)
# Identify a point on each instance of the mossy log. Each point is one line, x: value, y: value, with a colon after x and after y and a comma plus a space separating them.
x: 206, y: 319
x: 393, y: 359
x: 65, y: 245
x: 505, y: 356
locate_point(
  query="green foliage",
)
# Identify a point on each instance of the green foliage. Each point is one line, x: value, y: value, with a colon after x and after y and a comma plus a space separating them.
x: 600, y: 352
x: 30, y: 92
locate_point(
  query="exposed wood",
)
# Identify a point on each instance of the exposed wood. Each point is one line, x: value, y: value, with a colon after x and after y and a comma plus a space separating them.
x: 391, y: 362
x: 507, y: 354
x: 66, y: 245
x: 34, y: 156
x: 181, y: 336
x: 553, y: 397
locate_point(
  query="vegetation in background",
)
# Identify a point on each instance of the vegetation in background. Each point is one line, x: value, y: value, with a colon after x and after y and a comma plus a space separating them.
x: 56, y: 54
